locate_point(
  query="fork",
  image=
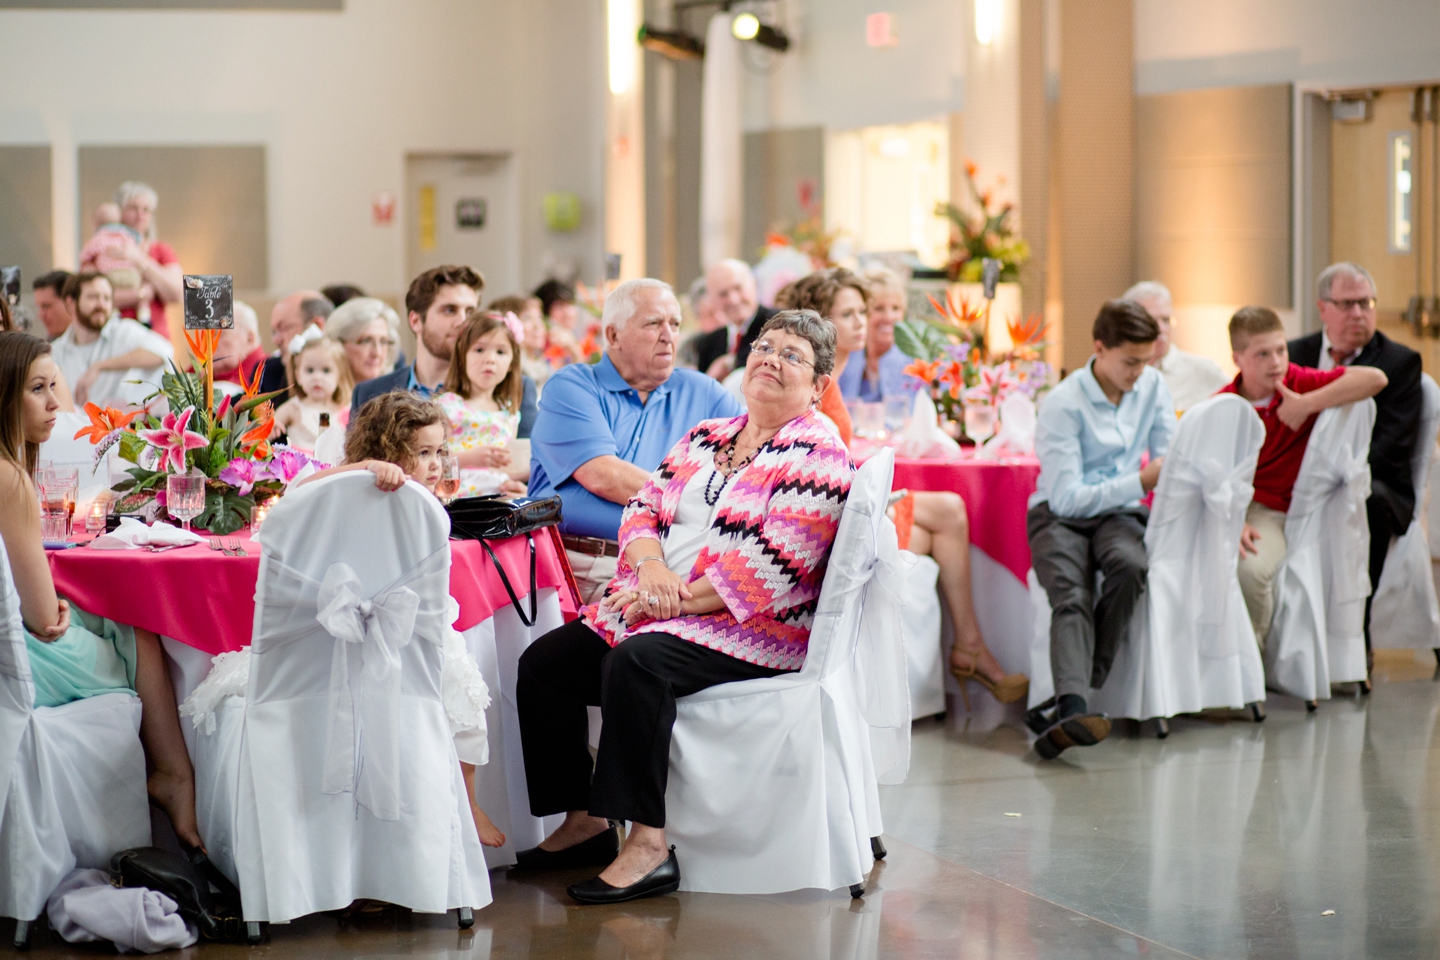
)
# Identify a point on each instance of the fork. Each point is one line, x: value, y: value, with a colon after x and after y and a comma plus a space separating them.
x: 235, y: 549
x: 215, y: 545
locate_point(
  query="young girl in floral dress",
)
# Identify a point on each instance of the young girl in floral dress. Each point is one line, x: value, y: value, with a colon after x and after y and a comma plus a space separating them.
x: 482, y: 401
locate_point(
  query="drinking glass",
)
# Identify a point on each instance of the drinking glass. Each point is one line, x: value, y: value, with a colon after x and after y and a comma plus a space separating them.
x: 58, y: 488
x: 449, y: 484
x: 897, y: 411
x: 868, y: 420
x: 185, y: 497
x: 979, y: 421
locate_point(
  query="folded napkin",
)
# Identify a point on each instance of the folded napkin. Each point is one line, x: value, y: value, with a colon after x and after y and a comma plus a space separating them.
x: 1017, y: 429
x: 132, y: 535
x: 922, y: 437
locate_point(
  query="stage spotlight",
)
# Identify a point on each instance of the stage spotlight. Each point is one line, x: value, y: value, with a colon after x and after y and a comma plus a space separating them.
x: 674, y: 44
x: 745, y: 26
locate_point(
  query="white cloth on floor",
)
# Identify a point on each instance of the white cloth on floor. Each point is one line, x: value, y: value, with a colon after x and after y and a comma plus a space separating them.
x: 87, y: 907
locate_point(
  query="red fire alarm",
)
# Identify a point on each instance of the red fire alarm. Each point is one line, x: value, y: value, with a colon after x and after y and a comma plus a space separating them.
x: 382, y: 208
x: 880, y: 30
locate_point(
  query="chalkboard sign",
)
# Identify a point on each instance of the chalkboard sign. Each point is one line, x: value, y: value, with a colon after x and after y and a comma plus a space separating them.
x: 209, y: 302
x: 10, y: 285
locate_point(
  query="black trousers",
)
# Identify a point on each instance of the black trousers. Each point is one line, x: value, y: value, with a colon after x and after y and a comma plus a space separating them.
x: 1384, y: 527
x: 635, y: 685
x: 1066, y: 552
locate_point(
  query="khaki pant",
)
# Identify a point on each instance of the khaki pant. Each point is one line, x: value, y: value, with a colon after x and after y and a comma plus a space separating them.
x: 1257, y: 571
x: 592, y: 574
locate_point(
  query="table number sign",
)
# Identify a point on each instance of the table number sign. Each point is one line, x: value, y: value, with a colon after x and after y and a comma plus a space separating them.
x: 209, y: 302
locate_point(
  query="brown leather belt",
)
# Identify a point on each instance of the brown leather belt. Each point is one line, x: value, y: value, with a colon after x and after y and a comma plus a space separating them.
x: 591, y: 546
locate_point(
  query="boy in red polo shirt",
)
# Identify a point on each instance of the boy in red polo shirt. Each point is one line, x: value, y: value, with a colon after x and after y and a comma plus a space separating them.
x: 1288, y: 398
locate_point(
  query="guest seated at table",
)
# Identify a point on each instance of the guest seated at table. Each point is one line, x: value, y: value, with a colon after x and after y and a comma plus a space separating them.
x: 320, y: 379
x: 399, y: 437
x: 723, y: 555
x: 1085, y: 515
x: 481, y: 399
x: 603, y: 427
x: 927, y: 523
x: 882, y: 374
x: 1289, y: 399
x: 75, y: 654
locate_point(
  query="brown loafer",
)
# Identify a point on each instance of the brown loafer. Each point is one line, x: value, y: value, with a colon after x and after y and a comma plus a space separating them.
x: 1081, y: 730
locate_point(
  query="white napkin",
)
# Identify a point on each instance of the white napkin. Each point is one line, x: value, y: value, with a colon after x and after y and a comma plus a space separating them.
x: 132, y: 535
x: 85, y: 907
x: 1017, y: 429
x: 922, y: 437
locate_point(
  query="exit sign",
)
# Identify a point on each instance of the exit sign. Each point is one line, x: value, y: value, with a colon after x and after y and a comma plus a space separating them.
x: 880, y: 30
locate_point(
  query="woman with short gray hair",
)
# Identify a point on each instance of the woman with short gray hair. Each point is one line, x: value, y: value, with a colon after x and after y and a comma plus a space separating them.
x: 370, y: 332
x: 160, y: 271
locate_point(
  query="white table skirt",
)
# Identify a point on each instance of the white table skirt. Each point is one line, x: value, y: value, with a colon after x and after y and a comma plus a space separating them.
x: 496, y: 645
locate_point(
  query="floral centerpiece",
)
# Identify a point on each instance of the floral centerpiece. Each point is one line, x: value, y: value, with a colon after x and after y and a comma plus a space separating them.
x: 226, y: 439
x: 953, y: 362
x: 592, y: 301
x: 980, y: 234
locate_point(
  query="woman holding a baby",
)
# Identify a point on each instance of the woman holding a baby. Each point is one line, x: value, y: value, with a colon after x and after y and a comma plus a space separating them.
x: 144, y: 272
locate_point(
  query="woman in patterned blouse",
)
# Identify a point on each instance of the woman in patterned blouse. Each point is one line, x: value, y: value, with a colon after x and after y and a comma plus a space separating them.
x: 723, y: 552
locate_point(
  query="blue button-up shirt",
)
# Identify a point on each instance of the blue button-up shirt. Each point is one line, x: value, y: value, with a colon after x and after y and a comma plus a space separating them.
x: 589, y: 411
x: 1090, y: 449
x: 893, y: 381
x: 420, y: 389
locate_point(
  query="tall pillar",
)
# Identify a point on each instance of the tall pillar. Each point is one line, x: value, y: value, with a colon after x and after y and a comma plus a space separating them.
x: 625, y: 139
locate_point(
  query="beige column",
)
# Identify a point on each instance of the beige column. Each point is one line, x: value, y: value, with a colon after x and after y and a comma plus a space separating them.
x: 625, y: 139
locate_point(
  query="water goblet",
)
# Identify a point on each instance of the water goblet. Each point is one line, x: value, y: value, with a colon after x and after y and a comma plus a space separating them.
x: 449, y: 484
x: 185, y: 497
x: 979, y: 421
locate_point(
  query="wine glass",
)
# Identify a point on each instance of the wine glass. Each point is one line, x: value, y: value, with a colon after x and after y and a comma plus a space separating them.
x: 185, y: 497
x: 449, y: 484
x: 979, y: 421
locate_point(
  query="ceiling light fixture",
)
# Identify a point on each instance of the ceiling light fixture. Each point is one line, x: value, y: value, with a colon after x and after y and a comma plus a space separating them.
x: 745, y: 26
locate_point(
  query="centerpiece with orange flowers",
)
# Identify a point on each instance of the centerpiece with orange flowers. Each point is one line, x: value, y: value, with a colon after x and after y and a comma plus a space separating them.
x: 186, y: 427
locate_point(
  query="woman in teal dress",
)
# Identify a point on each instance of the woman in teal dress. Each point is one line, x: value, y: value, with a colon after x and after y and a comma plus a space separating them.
x: 75, y: 654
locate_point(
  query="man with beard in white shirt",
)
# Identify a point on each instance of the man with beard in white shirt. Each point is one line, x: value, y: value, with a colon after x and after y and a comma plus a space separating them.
x: 100, y: 353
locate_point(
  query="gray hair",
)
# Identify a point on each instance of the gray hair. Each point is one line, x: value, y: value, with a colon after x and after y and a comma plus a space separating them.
x: 810, y: 326
x: 1148, y: 291
x: 1343, y: 269
x: 351, y: 316
x: 315, y: 309
x: 245, y: 318
x: 134, y: 189
x: 620, y: 305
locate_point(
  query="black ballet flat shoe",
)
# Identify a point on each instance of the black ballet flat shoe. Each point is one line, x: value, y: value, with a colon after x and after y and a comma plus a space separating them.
x: 599, y: 851
x: 1039, y: 718
x: 658, y: 882
x: 1082, y: 730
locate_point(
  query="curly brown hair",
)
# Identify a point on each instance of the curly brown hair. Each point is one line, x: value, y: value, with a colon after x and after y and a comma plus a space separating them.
x: 385, y: 427
x: 511, y: 389
x: 818, y: 291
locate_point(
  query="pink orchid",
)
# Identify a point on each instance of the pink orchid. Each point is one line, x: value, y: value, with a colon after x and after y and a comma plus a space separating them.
x: 172, y: 440
x: 996, y: 383
x: 287, y: 463
x: 243, y: 473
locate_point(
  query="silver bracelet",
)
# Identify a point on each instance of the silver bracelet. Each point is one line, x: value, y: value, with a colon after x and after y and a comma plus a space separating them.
x: 643, y: 560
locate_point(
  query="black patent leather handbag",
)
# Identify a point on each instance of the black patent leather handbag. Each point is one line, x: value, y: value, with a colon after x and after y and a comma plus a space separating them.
x: 491, y: 518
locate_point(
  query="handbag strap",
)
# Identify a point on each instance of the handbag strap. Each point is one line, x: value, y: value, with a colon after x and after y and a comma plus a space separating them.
x: 514, y: 600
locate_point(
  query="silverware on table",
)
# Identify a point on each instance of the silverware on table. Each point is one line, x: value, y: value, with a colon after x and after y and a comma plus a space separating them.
x: 235, y: 549
x: 215, y: 545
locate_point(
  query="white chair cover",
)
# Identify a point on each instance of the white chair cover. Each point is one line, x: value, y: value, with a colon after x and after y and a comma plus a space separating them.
x: 1316, y: 635
x: 340, y: 779
x: 1190, y: 646
x: 924, y: 652
x: 773, y: 782
x: 73, y: 776
x: 1404, y: 613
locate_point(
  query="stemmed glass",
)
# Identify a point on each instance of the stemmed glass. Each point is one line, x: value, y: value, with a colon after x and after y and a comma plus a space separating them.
x: 59, y: 486
x: 185, y: 497
x: 979, y: 422
x: 449, y: 485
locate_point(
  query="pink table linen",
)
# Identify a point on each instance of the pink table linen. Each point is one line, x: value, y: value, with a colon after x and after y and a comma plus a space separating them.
x: 995, y: 495
x: 206, y: 600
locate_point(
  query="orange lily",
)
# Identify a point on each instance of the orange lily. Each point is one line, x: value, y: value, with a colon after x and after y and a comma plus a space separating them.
x: 202, y: 345
x: 264, y: 422
x: 924, y: 370
x: 1030, y: 331
x: 954, y: 374
x: 104, y: 420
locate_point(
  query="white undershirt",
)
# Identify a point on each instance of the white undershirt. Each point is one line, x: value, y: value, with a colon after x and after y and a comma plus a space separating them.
x: 1262, y: 404
x: 683, y: 542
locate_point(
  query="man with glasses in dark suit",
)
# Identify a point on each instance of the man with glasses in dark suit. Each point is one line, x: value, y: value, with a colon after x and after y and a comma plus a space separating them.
x: 1348, y: 337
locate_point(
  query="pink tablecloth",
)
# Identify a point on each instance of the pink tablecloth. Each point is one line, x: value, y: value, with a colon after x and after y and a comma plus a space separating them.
x: 995, y: 495
x: 206, y: 599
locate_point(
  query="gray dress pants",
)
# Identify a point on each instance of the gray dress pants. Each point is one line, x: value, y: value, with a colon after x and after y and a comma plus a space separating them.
x: 1066, y: 553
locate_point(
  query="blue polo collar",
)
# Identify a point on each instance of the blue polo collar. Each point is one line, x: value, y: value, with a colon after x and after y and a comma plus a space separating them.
x: 610, y: 380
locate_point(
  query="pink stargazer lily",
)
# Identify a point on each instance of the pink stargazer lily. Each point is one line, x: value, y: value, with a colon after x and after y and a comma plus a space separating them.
x: 172, y: 441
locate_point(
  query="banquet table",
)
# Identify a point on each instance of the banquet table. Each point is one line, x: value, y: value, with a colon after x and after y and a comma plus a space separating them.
x: 201, y: 603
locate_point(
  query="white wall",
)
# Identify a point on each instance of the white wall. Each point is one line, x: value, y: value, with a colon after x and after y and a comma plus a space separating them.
x: 831, y: 78
x: 338, y: 99
x: 1184, y: 45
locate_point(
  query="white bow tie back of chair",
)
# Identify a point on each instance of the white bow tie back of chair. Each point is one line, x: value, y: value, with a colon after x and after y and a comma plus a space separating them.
x: 1317, y: 632
x: 73, y: 777
x: 1195, y: 648
x: 773, y: 782
x: 1404, y: 613
x: 346, y: 781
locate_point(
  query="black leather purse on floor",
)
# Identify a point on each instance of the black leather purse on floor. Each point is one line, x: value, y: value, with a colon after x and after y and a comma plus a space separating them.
x: 491, y: 518
x: 215, y: 912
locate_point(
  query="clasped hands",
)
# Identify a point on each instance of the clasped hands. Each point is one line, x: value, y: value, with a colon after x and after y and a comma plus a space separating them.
x: 658, y: 596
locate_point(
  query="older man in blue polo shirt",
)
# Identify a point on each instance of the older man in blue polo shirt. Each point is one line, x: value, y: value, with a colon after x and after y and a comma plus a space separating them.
x: 603, y: 428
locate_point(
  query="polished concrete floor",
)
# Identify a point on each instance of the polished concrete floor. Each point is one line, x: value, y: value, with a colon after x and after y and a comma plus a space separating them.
x: 1229, y: 839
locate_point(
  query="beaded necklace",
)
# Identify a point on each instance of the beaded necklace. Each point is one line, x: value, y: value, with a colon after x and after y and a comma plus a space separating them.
x: 726, y: 466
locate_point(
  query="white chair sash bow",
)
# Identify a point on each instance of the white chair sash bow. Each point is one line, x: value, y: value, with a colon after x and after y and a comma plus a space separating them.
x: 362, y: 754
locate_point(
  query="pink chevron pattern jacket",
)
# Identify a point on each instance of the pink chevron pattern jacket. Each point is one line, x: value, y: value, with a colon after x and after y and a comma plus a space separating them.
x: 767, y: 548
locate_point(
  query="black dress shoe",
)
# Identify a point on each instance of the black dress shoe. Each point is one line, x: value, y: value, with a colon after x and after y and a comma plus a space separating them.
x: 598, y: 851
x: 662, y: 880
x: 1081, y: 730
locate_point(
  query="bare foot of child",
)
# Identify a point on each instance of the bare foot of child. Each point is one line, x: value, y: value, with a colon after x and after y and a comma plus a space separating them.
x: 490, y: 836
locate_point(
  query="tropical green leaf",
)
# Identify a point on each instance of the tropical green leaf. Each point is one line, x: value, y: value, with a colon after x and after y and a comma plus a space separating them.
x: 910, y: 338
x: 131, y: 446
x: 225, y: 511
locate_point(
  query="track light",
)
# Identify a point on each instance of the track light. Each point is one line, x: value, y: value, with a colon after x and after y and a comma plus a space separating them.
x: 747, y: 26
x: 675, y: 44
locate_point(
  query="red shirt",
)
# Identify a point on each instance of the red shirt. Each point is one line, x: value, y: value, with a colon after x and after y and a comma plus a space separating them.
x: 246, y: 370
x: 162, y: 254
x: 1283, y: 449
